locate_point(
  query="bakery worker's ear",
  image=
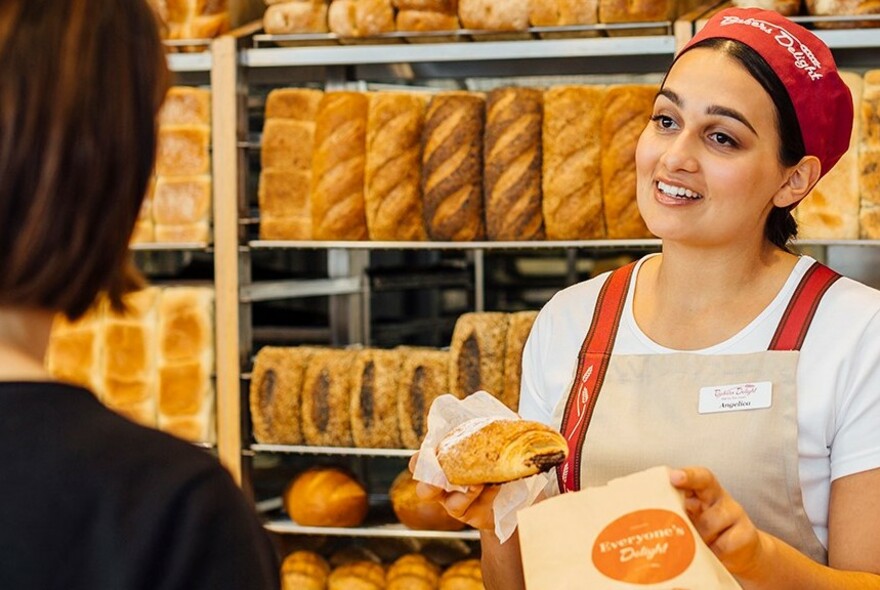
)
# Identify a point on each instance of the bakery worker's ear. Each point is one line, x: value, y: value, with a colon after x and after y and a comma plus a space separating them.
x: 800, y: 180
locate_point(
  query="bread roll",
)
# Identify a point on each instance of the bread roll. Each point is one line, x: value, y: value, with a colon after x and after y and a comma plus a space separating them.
x: 326, y: 496
x: 627, y: 11
x: 183, y: 150
x: 373, y: 17
x: 338, y: 168
x: 374, y: 399
x: 363, y: 575
x: 326, y: 412
x: 452, y: 144
x: 413, y: 572
x: 181, y: 200
x: 185, y: 105
x: 299, y: 16
x: 287, y: 144
x: 417, y: 513
x: 393, y: 196
x: 276, y: 394
x: 869, y: 157
x: 626, y: 109
x: 572, y: 180
x: 304, y: 570
x: 285, y: 209
x: 463, y: 575
x: 512, y: 15
x: 424, y: 376
x: 518, y: 328
x: 341, y: 18
x: 831, y: 210
x: 512, y: 161
x: 477, y: 351
x: 300, y: 104
x: 492, y: 450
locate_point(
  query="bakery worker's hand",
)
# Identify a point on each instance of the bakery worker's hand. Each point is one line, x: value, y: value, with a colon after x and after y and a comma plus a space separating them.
x: 473, y: 507
x: 720, y: 520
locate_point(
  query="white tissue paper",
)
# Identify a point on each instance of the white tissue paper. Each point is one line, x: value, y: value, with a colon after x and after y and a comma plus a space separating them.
x: 446, y: 413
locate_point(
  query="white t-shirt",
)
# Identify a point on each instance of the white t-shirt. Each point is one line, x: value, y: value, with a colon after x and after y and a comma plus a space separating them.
x: 838, y: 375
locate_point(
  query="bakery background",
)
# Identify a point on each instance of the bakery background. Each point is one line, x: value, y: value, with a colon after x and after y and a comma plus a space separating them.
x: 299, y: 346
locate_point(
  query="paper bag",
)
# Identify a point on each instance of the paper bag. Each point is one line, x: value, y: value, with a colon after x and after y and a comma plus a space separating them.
x: 630, y: 534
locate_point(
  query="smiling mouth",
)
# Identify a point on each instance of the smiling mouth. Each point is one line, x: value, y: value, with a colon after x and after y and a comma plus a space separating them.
x: 677, y: 192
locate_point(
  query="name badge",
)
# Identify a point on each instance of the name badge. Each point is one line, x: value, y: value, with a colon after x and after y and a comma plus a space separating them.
x: 736, y: 397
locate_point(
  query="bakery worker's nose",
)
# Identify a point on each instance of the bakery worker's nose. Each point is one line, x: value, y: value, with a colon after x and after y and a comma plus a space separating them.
x: 681, y: 153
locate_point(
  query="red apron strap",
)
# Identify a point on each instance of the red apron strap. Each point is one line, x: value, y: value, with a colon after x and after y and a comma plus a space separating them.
x: 800, y: 311
x: 592, y: 365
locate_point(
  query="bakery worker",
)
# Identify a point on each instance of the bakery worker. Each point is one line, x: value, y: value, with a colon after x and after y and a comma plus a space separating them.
x: 727, y: 352
x: 89, y: 500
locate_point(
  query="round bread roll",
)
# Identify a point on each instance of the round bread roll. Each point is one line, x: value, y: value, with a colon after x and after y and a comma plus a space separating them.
x: 304, y: 570
x: 464, y: 575
x: 416, y: 513
x: 326, y: 496
x: 413, y: 572
x: 362, y: 575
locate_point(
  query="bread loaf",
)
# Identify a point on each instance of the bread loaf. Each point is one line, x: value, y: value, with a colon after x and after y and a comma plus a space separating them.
x: 831, y: 210
x: 373, y: 17
x: 424, y: 376
x: 186, y: 105
x: 186, y: 324
x: 415, y: 512
x: 421, y: 21
x: 186, y: 401
x: 182, y: 200
x: 626, y: 11
x: 276, y: 394
x: 299, y: 16
x: 74, y: 350
x: 363, y: 575
x: 512, y: 161
x: 413, y: 572
x: 287, y: 144
x: 199, y: 233
x: 393, y: 196
x: 285, y: 228
x: 285, y: 209
x: 143, y: 227
x: 300, y: 104
x: 492, y: 450
x: 183, y: 150
x: 452, y: 143
x: 374, y: 399
x: 326, y: 412
x: 519, y: 326
x: 869, y: 158
x: 337, y: 190
x: 304, y: 570
x: 326, y: 496
x: 448, y: 6
x: 477, y: 351
x: 572, y: 180
x: 341, y: 18
x: 626, y: 110
x: 463, y: 575
x: 785, y: 7
x: 843, y: 8
x: 512, y: 15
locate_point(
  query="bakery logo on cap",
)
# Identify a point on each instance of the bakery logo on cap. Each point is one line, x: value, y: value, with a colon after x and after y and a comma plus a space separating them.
x: 645, y: 547
x: 804, y: 59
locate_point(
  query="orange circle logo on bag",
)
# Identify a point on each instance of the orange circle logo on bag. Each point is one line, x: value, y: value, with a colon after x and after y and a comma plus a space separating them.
x: 644, y: 547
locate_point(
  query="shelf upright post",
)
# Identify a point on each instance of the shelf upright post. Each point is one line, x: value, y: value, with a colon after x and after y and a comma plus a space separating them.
x: 479, y: 279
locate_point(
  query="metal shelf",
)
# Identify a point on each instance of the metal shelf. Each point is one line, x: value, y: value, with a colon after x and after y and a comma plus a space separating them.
x: 396, y: 530
x: 190, y: 62
x: 533, y: 245
x: 169, y: 246
x: 307, y: 450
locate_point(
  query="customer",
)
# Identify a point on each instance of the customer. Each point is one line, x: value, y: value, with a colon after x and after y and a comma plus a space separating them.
x: 751, y: 114
x: 89, y: 500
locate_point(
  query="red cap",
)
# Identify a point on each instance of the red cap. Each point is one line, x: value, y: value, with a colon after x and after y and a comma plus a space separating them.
x: 804, y: 64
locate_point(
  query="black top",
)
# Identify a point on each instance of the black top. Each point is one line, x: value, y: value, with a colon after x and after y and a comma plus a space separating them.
x: 89, y: 500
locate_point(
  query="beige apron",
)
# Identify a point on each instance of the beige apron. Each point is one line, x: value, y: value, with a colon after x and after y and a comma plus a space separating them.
x: 648, y: 414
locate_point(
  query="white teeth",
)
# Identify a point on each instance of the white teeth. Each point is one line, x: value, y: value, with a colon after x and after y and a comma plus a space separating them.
x: 677, y: 191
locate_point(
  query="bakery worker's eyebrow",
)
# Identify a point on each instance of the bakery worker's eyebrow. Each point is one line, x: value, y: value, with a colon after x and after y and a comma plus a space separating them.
x: 712, y: 110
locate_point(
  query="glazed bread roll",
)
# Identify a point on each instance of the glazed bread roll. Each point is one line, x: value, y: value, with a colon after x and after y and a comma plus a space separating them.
x: 512, y: 15
x: 869, y: 158
x: 338, y: 168
x: 285, y: 208
x: 492, y: 450
x: 299, y: 16
x: 463, y: 575
x: 572, y: 180
x: 183, y: 150
x: 413, y: 572
x: 304, y: 570
x: 374, y: 399
x: 519, y: 326
x: 512, y: 161
x: 627, y: 109
x: 452, y: 143
x: 362, y: 575
x: 326, y: 412
x: 276, y: 394
x: 300, y: 104
x: 477, y: 351
x: 416, y: 513
x: 326, y: 496
x: 186, y: 105
x: 424, y: 376
x: 393, y: 195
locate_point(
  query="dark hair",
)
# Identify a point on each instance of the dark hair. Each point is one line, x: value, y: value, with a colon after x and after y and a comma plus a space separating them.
x: 80, y: 85
x: 781, y: 225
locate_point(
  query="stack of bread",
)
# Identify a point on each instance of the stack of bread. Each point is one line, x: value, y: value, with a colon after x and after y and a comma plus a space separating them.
x: 423, y: 16
x: 285, y: 17
x: 192, y: 19
x: 178, y: 203
x: 869, y: 157
x: 152, y: 363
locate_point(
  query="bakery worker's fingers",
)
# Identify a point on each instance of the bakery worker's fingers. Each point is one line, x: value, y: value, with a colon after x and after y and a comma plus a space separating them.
x: 427, y: 492
x: 412, y: 462
x: 458, y: 503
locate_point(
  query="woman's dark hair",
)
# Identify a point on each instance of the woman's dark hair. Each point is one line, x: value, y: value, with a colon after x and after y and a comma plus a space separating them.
x: 781, y: 225
x: 80, y: 85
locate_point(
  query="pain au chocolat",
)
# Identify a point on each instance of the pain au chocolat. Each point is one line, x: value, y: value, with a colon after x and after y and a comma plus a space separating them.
x: 492, y: 450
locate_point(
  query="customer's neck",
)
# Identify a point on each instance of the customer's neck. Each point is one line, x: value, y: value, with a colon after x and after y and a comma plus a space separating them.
x: 24, y: 337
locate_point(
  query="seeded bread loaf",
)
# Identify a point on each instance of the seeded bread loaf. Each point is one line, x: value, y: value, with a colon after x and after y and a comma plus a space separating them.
x: 477, y: 351
x: 326, y: 412
x: 424, y: 376
x: 869, y: 157
x: 374, y: 399
x: 519, y: 326
x: 276, y: 394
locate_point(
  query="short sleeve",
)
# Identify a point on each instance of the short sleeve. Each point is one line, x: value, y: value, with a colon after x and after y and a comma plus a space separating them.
x: 532, y: 402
